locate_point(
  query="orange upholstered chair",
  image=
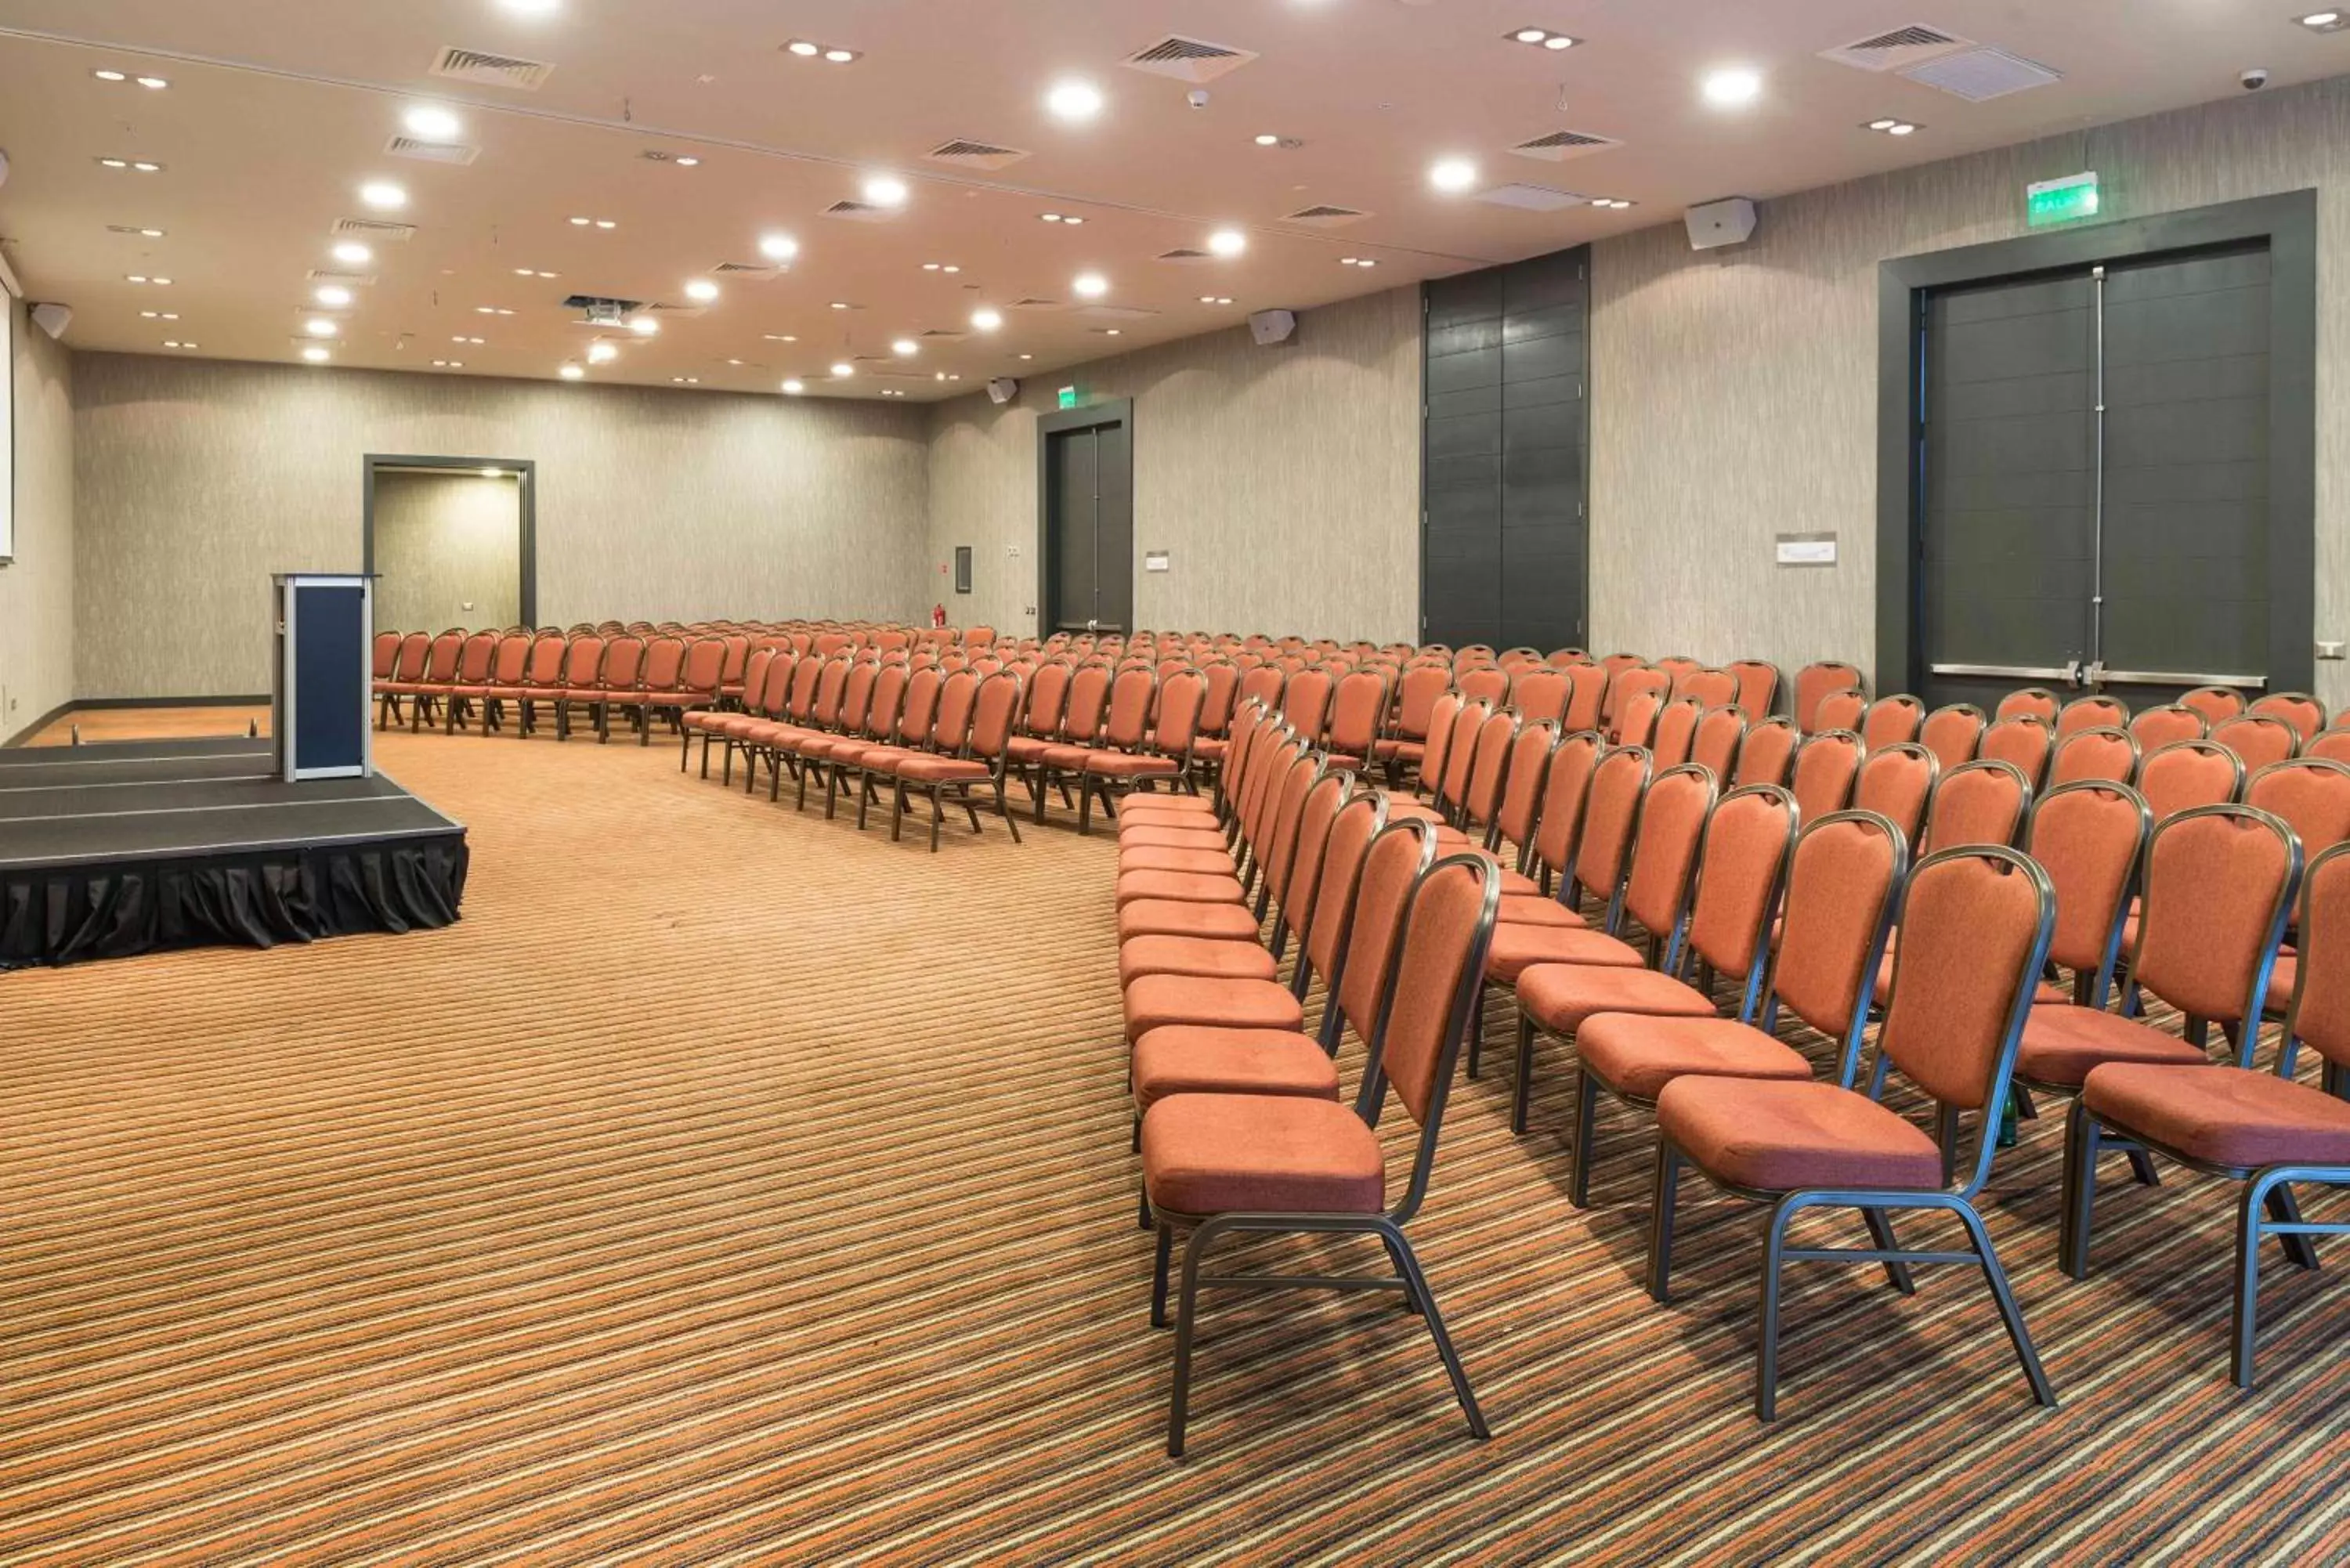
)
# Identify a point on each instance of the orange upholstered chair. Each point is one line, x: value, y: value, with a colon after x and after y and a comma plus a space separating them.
x: 1406, y: 740
x: 2090, y: 837
x: 2216, y: 703
x: 1815, y: 683
x: 2097, y: 751
x: 1542, y: 692
x: 2188, y: 773
x: 1826, y: 765
x: 1599, y: 845
x: 1954, y: 733
x: 2021, y: 740
x: 1358, y: 706
x: 1675, y: 732
x: 2092, y: 713
x: 2154, y: 728
x: 2256, y: 738
x: 1840, y: 710
x: 1721, y: 731
x: 1767, y: 753
x: 1758, y: 686
x: 1163, y: 756
x: 1896, y: 782
x: 2305, y: 714
x: 1889, y: 720
x: 1558, y: 816
x: 1976, y: 924
x: 2028, y: 702
x: 1221, y: 1164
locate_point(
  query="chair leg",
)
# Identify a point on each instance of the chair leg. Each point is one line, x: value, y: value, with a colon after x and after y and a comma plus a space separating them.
x: 2249, y: 1228
x: 2082, y: 1142
x: 1524, y: 1090
x: 897, y: 808
x: 2301, y: 1250
x: 938, y: 816
x: 2142, y: 1167
x: 1766, y: 1363
x: 1187, y: 1303
x: 1586, y: 1117
x: 1165, y: 1250
x: 1085, y: 805
x: 1417, y: 1291
x: 1661, y: 1219
x: 1996, y: 1277
x: 1880, y: 1230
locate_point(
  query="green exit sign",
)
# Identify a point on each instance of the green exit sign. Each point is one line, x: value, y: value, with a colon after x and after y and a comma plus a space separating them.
x: 1071, y: 396
x: 2065, y: 201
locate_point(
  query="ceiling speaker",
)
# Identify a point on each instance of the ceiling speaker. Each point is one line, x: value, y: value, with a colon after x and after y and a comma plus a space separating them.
x: 1002, y: 389
x: 1271, y: 326
x: 53, y: 320
x: 1719, y: 223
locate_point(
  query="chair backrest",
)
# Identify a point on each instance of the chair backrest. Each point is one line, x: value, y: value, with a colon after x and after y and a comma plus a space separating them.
x: 735, y: 650
x: 1329, y: 795
x: 1566, y: 786
x: 995, y: 714
x: 705, y: 666
x: 1825, y: 767
x: 2219, y: 881
x: 1133, y: 694
x: 624, y: 663
x: 2305, y: 714
x: 583, y: 657
x: 665, y: 661
x: 2096, y: 711
x: 2320, y: 1014
x: 1460, y: 756
x: 1767, y: 753
x: 1432, y: 994
x: 1610, y: 667
x: 2089, y: 837
x: 1711, y: 687
x: 1082, y: 709
x: 1305, y: 703
x: 1675, y: 732
x: 1540, y: 692
x: 1815, y: 683
x: 1586, y: 695
x: 1520, y: 802
x: 550, y: 652
x: 1270, y: 762
x: 1488, y: 683
x: 1741, y: 870
x: 1637, y: 682
x: 1896, y: 782
x: 1279, y: 838
x: 1182, y: 699
x: 1489, y: 769
x: 2215, y: 702
x: 441, y: 666
x: 2154, y: 728
x: 1841, y: 711
x: 1758, y: 686
x: 2028, y: 702
x: 1975, y: 924
x: 1443, y: 720
x: 1676, y: 665
x: 1980, y: 802
x: 1843, y: 883
x: 1611, y: 817
x: 1890, y: 720
x: 958, y: 703
x: 1224, y: 679
x: 1416, y: 694
x: 2256, y: 738
x: 887, y: 701
x: 2098, y: 751
x: 2313, y: 796
x: 1636, y: 716
x: 753, y: 672
x: 1714, y: 746
x: 2021, y: 741
x: 511, y: 662
x: 1665, y: 851
x: 384, y: 655
x: 1954, y: 733
x: 1358, y: 823
x: 2188, y: 773
x: 1359, y: 705
x: 1382, y: 891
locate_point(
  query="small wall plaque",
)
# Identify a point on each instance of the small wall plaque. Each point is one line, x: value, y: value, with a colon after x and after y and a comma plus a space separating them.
x: 1807, y: 549
x: 1154, y: 561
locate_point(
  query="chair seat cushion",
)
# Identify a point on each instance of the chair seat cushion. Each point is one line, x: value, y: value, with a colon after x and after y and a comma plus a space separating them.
x: 1026, y: 749
x: 929, y: 767
x: 578, y: 694
x: 1065, y: 759
x: 1130, y: 766
x: 1186, y: 1060
x: 1182, y: 886
x: 1401, y: 750
x: 1151, y: 858
x: 475, y: 692
x: 1206, y: 956
x: 2222, y: 1115
x: 1778, y: 1136
x: 1637, y: 1054
x: 1157, y: 1001
x: 1560, y: 996
x: 2049, y: 994
x: 768, y: 732
x: 1517, y: 949
x: 822, y: 748
x: 1211, y: 747
x: 1241, y: 1154
x: 1170, y: 918
x: 1150, y: 836
x: 1518, y: 884
x: 2060, y: 1044
x: 1522, y: 909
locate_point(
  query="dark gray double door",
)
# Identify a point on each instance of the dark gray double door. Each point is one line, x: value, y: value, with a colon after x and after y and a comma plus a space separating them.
x: 1088, y: 476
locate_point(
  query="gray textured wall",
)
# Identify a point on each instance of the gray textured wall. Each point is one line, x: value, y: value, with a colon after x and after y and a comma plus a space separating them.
x: 198, y: 479
x: 1284, y: 483
x: 37, y: 594
x: 1735, y: 392
x: 445, y: 541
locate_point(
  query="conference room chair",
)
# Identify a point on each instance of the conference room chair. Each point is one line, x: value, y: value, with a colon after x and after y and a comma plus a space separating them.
x: 2095, y: 751
x: 1714, y: 745
x: 660, y: 688
x: 2028, y: 702
x: 1084, y: 711
x: 870, y: 717
x: 1648, y: 686
x: 2256, y: 738
x: 1601, y: 842
x: 2216, y: 703
x: 1636, y: 717
x: 1842, y: 878
x: 2268, y: 1131
x: 1610, y: 667
x: 430, y: 690
x: 1586, y: 698
x: 2188, y: 773
x: 1358, y: 707
x: 2218, y: 886
x: 1826, y: 766
x: 1040, y: 721
x: 1257, y: 808
x: 1224, y: 1164
x: 1954, y: 733
x: 1767, y: 754
x: 1977, y: 923
x: 1758, y: 686
x: 1980, y: 802
x: 1517, y: 808
x: 819, y: 686
x: 1447, y: 773
x: 1540, y: 692
x: 2154, y: 728
x: 1561, y: 658
x: 1246, y: 957
x: 2024, y: 742
x: 2090, y: 836
x: 967, y: 754
x: 477, y: 688
x: 1163, y: 756
x: 583, y: 664
x: 1490, y: 751
x: 2305, y: 714
x: 1707, y: 687
x: 1676, y: 666
x: 1488, y: 684
x: 1548, y: 853
x: 1305, y: 703
x: 1404, y: 743
x: 1674, y: 735
x: 1125, y: 728
x: 1891, y: 720
x: 766, y: 703
x: 1840, y: 710
x: 1815, y: 683
x: 1896, y: 782
x: 383, y: 664
x: 2095, y: 712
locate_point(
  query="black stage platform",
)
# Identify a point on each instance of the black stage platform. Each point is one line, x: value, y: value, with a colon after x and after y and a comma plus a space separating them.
x: 109, y: 850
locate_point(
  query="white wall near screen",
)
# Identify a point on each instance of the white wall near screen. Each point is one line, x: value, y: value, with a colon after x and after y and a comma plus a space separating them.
x: 11, y: 308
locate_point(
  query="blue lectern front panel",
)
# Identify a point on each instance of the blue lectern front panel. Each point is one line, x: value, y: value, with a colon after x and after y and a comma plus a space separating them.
x: 330, y: 686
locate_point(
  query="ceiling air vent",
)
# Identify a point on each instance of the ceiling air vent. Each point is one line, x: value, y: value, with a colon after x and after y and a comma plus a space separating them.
x: 1182, y: 254
x: 1322, y: 215
x: 1530, y: 198
x: 965, y: 153
x: 862, y: 212
x: 1115, y: 312
x: 432, y: 151
x: 348, y: 279
x: 1034, y: 303
x: 373, y: 229
x: 1902, y: 46
x: 1189, y: 60
x: 746, y: 269
x: 1977, y: 74
x: 491, y: 70
x: 1561, y: 145
x: 944, y: 333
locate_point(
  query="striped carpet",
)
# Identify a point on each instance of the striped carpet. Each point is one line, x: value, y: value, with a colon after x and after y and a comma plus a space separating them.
x: 730, y: 1187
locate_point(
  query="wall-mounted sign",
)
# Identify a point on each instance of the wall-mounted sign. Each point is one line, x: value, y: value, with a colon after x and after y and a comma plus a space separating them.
x: 1154, y: 561
x: 1072, y: 396
x: 1806, y: 549
x: 2065, y: 201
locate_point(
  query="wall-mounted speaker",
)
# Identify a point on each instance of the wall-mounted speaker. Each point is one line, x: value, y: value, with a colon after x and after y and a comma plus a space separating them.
x: 1002, y: 389
x: 1718, y: 223
x: 53, y: 320
x: 1271, y: 326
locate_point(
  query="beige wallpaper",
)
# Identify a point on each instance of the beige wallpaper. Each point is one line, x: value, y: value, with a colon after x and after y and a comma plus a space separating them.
x: 198, y: 479
x: 1735, y: 392
x: 37, y: 594
x: 448, y: 551
x: 1284, y: 483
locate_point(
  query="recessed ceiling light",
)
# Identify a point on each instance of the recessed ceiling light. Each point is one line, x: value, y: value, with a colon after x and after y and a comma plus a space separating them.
x: 687, y: 160
x: 1903, y: 129
x: 1356, y: 260
x: 1452, y: 174
x: 151, y: 234
x: 319, y: 327
x: 1541, y: 38
x: 1049, y: 217
x: 1027, y: 355
x: 572, y: 372
x: 905, y: 347
x: 885, y: 191
x: 316, y: 353
x: 842, y: 304
x: 1110, y: 331
x: 839, y: 56
x: 1215, y: 299
x: 383, y: 195
x: 601, y: 353
x: 778, y: 247
x: 1732, y: 87
x: 843, y: 367
x: 476, y: 342
x: 1227, y: 242
x: 433, y: 122
x: 701, y: 289
x: 1073, y: 100
x: 351, y: 251
x: 779, y: 337
x: 2326, y: 21
x: 111, y: 76
x: 492, y: 310
x: 686, y: 380
x: 737, y: 361
x: 803, y: 48
x: 114, y: 163
x: 333, y: 294
x: 145, y: 167
x: 794, y: 385
x: 1091, y: 284
x: 532, y: 8
x: 606, y: 223
x: 1558, y: 41
x: 494, y: 473
x: 987, y: 319
x: 643, y: 326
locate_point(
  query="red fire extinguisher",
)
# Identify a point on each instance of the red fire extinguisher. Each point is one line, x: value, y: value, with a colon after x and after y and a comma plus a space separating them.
x: 939, y: 616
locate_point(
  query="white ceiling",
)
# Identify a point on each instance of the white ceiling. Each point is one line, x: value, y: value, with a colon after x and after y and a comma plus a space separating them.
x: 279, y: 109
